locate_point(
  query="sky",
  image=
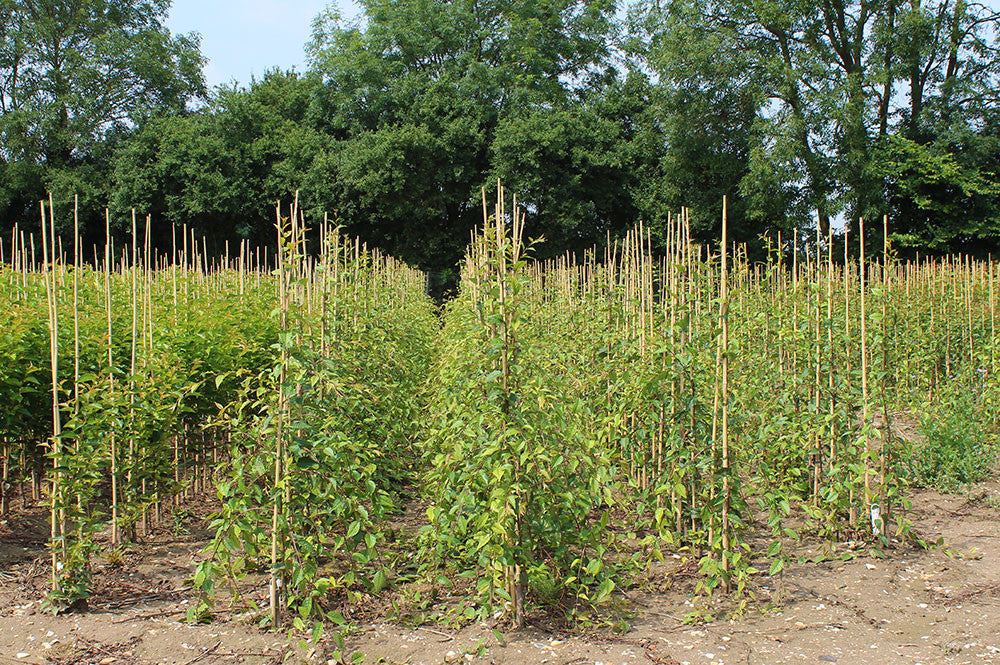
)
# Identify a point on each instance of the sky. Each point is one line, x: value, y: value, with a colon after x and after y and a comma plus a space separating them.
x: 244, y: 38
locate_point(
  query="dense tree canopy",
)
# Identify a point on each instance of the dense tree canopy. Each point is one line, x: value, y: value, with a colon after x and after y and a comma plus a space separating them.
x: 850, y: 101
x: 597, y: 113
x: 76, y: 76
x: 421, y: 99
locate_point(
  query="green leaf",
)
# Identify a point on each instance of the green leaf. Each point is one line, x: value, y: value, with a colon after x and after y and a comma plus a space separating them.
x: 380, y: 581
x: 604, y: 591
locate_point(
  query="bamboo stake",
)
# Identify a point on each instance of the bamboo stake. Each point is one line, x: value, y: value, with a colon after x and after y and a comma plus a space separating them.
x: 277, y: 534
x: 864, y: 368
x: 993, y: 324
x: 108, y: 259
x: 724, y: 352
x: 53, y: 315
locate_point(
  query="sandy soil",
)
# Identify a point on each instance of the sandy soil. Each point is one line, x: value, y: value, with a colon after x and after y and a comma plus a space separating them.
x: 937, y: 606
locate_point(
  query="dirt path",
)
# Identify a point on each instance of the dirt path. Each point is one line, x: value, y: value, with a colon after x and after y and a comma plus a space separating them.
x: 940, y: 606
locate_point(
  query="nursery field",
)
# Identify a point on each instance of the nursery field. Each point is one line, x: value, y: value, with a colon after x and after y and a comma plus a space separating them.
x: 624, y: 456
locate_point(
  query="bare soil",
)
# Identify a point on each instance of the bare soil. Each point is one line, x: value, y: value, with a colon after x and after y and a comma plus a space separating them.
x: 934, y: 606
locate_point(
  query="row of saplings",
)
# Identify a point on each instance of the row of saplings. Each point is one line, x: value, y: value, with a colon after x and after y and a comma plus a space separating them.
x: 562, y: 429
x: 572, y: 425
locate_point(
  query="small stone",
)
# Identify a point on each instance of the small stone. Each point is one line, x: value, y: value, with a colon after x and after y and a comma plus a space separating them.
x: 107, y: 661
x: 23, y: 654
x: 828, y: 659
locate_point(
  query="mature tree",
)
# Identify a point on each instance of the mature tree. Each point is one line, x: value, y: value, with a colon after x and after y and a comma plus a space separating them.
x: 707, y: 102
x: 416, y: 98
x: 410, y: 184
x: 511, y: 51
x: 829, y: 76
x: 221, y: 170
x: 945, y: 194
x: 75, y: 74
x: 585, y: 169
x: 942, y: 165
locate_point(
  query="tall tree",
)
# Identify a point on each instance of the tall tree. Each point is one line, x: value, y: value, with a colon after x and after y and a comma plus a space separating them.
x: 707, y: 101
x: 76, y: 73
x: 585, y: 169
x: 221, y: 169
x: 415, y: 99
x: 830, y: 76
x: 942, y: 164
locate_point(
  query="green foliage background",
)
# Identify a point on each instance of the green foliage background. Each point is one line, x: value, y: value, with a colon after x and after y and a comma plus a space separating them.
x: 599, y: 113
